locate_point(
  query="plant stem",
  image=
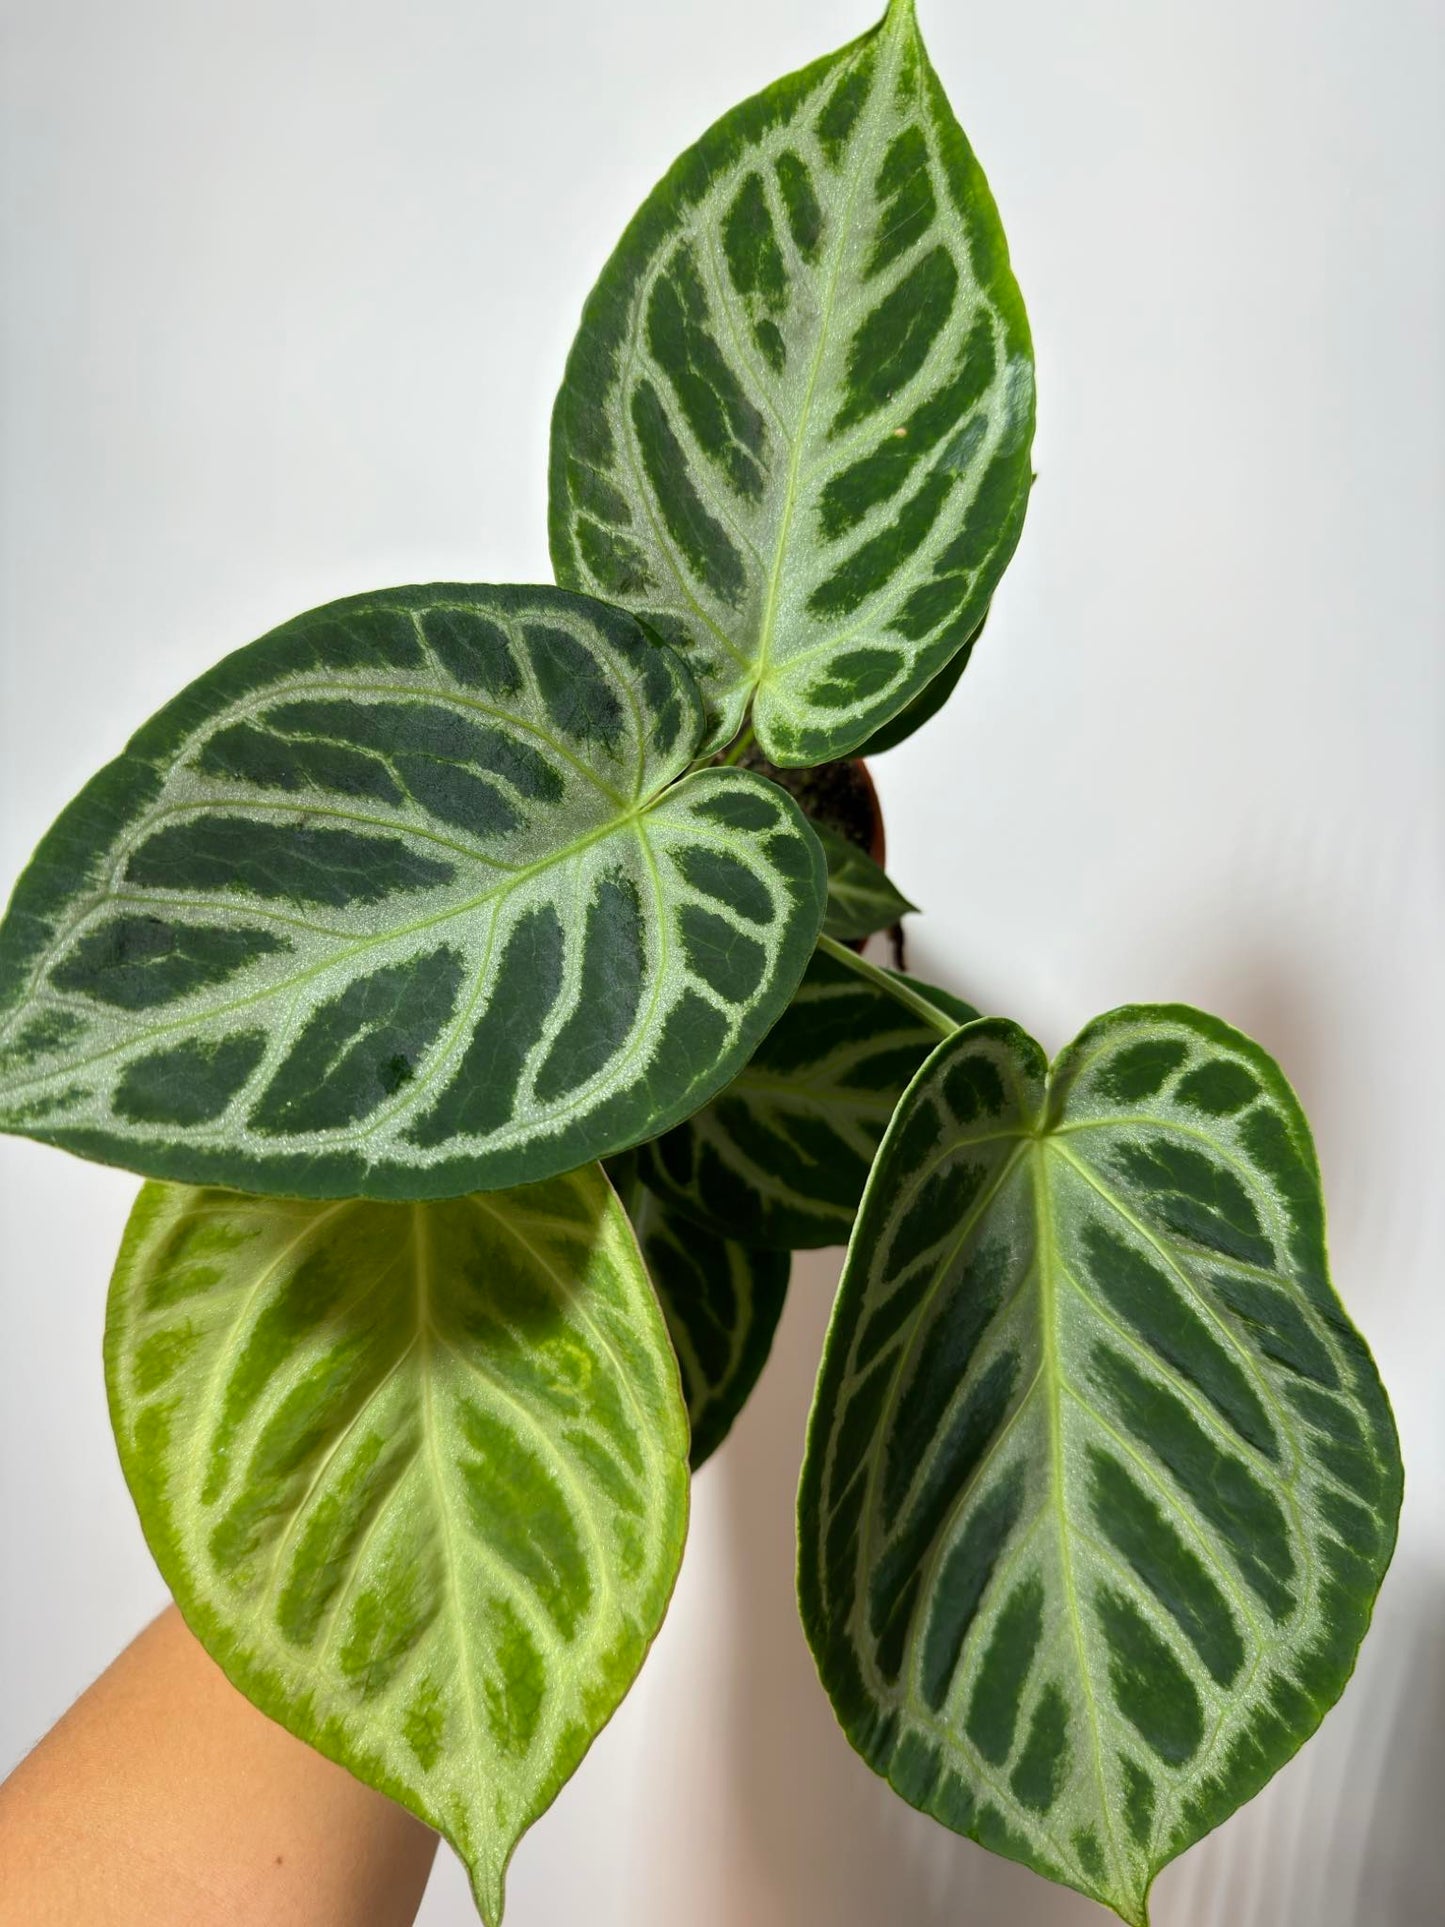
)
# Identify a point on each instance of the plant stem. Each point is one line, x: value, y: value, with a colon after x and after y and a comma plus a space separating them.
x: 727, y: 758
x: 903, y: 993
x: 738, y: 748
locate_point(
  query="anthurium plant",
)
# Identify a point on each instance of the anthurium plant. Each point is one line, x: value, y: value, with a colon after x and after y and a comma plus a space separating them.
x: 470, y: 975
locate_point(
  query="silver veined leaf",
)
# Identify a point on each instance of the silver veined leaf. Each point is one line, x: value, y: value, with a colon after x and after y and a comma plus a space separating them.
x: 1100, y: 1481
x: 795, y: 424
x: 416, y: 1475
x: 722, y: 1301
x: 404, y: 901
x: 862, y: 897
x: 780, y: 1158
x: 924, y: 706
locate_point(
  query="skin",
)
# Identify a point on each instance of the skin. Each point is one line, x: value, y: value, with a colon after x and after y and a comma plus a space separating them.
x: 164, y: 1799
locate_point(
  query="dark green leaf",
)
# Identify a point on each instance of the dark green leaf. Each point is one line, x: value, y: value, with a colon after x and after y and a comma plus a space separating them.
x: 925, y: 705
x: 404, y: 901
x: 861, y: 899
x: 794, y: 429
x: 1101, y: 1482
x: 722, y: 1301
x: 780, y: 1158
x: 836, y: 796
x: 416, y: 1475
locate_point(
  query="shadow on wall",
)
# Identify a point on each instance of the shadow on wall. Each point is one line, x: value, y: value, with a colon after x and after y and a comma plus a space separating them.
x: 1344, y: 1836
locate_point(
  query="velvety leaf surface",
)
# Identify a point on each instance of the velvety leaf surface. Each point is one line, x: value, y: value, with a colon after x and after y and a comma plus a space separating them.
x: 780, y: 1159
x: 1100, y: 1482
x: 838, y: 796
x: 722, y: 1301
x: 415, y: 1473
x: 794, y: 429
x: 861, y: 897
x: 924, y: 706
x: 403, y: 901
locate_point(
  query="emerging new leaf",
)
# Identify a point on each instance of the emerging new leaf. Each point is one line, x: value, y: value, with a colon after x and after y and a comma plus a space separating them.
x: 861, y: 896
x: 416, y: 1475
x: 403, y: 901
x: 794, y: 429
x: 780, y: 1158
x: 722, y: 1301
x: 1100, y: 1483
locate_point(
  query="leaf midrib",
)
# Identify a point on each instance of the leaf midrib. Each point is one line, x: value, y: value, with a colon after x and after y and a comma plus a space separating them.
x: 1051, y: 1379
x: 256, y: 702
x: 1046, y: 1261
x: 1047, y: 1378
x: 1035, y: 1145
x: 1208, y: 1417
x: 357, y: 947
x: 767, y: 624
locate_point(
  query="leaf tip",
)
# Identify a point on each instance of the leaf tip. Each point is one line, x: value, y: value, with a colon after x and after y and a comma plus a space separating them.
x: 489, y: 1890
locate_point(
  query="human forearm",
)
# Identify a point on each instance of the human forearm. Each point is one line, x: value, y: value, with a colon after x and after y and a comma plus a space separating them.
x: 163, y: 1799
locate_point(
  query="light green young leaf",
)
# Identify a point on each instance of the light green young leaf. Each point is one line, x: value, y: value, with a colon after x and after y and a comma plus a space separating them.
x: 861, y: 897
x: 416, y: 1475
x: 404, y: 901
x: 779, y: 1160
x: 722, y: 1301
x: 794, y: 429
x: 924, y: 706
x: 1100, y: 1482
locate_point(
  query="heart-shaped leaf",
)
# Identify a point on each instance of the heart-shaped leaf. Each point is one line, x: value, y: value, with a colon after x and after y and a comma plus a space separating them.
x: 780, y: 1159
x: 861, y: 896
x: 722, y: 1301
x: 1100, y: 1482
x: 403, y: 901
x: 924, y: 706
x: 416, y: 1475
x: 794, y: 429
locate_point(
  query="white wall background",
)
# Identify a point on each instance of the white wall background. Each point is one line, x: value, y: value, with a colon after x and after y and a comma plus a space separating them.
x: 287, y: 287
